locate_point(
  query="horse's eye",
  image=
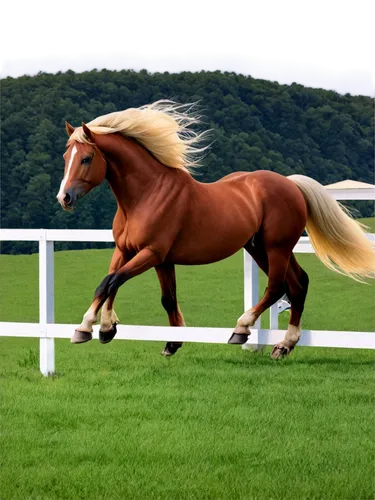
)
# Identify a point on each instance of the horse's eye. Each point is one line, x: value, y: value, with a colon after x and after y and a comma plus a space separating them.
x: 86, y: 160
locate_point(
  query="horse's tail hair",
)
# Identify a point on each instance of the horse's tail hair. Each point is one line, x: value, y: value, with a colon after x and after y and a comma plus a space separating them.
x: 339, y: 241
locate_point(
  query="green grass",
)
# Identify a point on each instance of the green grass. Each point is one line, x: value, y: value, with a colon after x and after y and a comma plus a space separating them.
x: 369, y: 222
x: 214, y: 422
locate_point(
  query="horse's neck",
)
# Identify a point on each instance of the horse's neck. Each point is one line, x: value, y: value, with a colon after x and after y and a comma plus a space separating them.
x: 131, y: 172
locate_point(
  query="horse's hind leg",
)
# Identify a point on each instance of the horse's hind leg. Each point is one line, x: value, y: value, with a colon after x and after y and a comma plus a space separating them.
x: 167, y: 278
x: 298, y: 282
x: 274, y: 262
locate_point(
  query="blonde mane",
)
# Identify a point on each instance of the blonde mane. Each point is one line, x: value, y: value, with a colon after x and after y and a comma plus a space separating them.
x: 163, y: 128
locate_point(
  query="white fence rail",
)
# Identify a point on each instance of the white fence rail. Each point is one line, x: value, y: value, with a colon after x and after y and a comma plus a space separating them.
x: 47, y: 330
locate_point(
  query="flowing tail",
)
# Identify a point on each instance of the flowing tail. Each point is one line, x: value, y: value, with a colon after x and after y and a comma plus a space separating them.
x: 338, y: 240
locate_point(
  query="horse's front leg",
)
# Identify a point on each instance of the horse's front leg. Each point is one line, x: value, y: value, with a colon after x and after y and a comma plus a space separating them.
x: 143, y: 261
x: 167, y: 278
x: 108, y: 321
x: 108, y: 317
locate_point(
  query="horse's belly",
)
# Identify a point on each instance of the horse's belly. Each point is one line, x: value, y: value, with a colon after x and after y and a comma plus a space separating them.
x: 206, y: 245
x: 199, y: 256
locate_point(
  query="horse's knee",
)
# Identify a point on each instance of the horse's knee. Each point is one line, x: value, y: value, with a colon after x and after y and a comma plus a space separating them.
x: 110, y: 285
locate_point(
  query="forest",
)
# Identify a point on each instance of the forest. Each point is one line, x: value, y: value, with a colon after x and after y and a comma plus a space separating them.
x: 256, y: 124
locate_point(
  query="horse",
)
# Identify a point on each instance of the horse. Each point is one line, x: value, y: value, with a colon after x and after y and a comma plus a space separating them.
x: 165, y: 217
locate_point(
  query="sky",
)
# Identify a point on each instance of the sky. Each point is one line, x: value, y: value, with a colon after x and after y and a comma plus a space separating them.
x: 355, y: 81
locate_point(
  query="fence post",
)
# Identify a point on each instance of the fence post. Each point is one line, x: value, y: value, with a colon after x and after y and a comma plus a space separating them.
x: 251, y: 295
x: 274, y: 317
x: 46, y: 303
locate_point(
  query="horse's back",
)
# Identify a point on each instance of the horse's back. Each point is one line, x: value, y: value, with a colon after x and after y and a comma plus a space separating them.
x: 267, y: 186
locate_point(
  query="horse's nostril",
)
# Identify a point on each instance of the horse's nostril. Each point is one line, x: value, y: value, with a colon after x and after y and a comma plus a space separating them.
x: 67, y: 198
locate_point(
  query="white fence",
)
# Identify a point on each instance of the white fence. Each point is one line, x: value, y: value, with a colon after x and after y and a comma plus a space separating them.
x: 47, y: 330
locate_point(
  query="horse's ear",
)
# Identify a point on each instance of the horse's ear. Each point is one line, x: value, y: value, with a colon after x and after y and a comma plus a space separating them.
x: 69, y: 128
x: 90, y: 135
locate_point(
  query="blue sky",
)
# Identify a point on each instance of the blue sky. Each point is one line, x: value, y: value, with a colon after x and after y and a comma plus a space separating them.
x: 355, y: 81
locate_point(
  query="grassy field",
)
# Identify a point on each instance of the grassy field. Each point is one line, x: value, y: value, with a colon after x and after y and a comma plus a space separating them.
x: 370, y: 223
x: 214, y: 422
x: 121, y: 422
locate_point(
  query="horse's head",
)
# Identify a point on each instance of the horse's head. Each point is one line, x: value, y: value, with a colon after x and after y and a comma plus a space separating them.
x: 85, y: 168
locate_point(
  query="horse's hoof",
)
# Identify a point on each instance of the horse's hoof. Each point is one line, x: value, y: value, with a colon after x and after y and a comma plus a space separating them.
x: 106, y: 337
x: 238, y: 338
x: 280, y: 351
x: 170, y: 349
x: 80, y: 337
x: 166, y: 353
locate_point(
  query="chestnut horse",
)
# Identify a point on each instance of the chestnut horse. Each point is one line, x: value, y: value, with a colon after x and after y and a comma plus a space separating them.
x: 166, y: 217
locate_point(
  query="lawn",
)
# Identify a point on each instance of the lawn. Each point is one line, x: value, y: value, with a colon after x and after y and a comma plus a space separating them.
x: 214, y: 422
x: 370, y: 223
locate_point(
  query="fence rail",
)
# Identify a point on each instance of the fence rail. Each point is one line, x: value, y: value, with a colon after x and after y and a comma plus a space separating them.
x: 46, y: 330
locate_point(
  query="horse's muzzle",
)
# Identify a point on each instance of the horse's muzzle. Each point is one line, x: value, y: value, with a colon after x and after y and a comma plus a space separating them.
x: 68, y: 199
